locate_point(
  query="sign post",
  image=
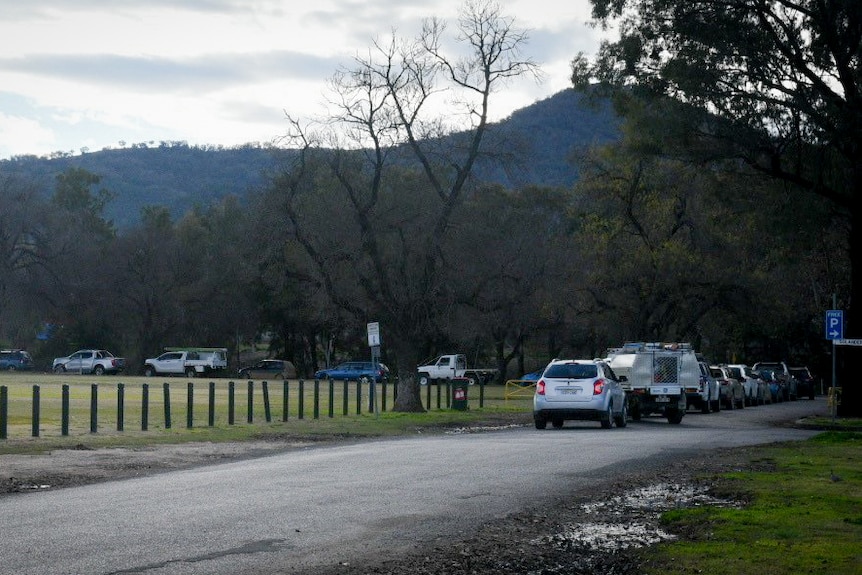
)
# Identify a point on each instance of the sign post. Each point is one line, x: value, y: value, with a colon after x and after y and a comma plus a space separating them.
x: 835, y: 332
x: 374, y: 344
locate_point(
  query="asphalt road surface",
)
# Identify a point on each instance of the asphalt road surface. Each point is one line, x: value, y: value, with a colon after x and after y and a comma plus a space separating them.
x: 325, y: 505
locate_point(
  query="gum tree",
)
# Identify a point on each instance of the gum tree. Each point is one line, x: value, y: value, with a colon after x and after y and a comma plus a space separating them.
x: 380, y: 160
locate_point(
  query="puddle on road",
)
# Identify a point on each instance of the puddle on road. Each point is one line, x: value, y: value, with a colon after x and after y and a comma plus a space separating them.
x: 637, y: 513
x: 480, y: 429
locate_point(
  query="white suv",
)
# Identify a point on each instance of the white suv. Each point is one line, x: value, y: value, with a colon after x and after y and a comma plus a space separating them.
x: 579, y: 389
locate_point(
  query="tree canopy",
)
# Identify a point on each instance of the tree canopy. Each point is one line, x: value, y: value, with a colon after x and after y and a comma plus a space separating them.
x: 772, y: 86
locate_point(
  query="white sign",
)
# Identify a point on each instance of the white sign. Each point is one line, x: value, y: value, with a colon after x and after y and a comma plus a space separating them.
x: 373, y: 334
x: 857, y: 342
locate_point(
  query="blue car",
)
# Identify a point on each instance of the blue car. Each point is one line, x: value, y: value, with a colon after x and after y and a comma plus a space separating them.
x: 15, y: 360
x: 362, y: 371
x: 533, y: 375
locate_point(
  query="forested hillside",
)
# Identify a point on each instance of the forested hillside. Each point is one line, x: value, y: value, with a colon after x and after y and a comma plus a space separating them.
x: 180, y: 177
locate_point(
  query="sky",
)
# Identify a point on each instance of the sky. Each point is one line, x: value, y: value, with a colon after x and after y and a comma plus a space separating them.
x: 85, y: 75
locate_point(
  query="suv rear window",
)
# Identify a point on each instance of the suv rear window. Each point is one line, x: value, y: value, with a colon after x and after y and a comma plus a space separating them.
x: 572, y: 371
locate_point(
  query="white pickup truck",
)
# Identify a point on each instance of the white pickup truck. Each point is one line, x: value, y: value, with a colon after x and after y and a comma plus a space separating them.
x: 190, y: 362
x: 450, y: 366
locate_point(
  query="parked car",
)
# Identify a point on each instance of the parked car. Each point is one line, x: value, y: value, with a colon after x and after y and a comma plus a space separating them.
x: 732, y: 392
x: 776, y: 392
x: 805, y: 382
x: 707, y: 396
x: 95, y: 361
x: 269, y: 369
x: 782, y: 375
x: 533, y: 375
x: 580, y: 389
x: 755, y: 389
x: 15, y: 360
x: 362, y: 371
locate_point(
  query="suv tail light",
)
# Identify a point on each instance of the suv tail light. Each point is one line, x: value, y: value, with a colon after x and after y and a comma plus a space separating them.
x: 540, y: 387
x: 598, y: 386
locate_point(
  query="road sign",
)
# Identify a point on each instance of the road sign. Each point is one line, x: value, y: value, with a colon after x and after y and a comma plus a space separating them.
x: 835, y: 324
x: 373, y: 334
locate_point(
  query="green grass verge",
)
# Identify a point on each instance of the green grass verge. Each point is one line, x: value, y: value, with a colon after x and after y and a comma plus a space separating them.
x: 350, y: 416
x: 804, y: 515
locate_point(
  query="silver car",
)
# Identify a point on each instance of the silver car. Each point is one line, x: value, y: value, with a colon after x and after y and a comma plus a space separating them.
x: 579, y: 389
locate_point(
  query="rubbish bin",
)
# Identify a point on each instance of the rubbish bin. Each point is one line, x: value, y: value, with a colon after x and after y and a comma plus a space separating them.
x: 459, y: 393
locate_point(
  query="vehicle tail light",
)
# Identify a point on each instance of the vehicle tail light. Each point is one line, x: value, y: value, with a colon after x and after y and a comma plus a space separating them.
x: 598, y: 386
x: 540, y: 387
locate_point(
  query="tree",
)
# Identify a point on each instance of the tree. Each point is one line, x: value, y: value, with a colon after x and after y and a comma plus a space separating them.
x: 22, y: 251
x: 397, y: 185
x: 74, y: 195
x: 775, y: 85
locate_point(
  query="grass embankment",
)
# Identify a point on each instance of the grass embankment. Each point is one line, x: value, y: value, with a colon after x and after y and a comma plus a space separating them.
x: 804, y: 515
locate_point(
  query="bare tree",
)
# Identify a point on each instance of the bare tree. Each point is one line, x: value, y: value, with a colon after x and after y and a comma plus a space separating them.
x: 381, y: 158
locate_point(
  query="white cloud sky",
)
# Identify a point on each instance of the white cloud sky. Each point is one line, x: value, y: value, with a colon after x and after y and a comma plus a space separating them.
x: 92, y: 73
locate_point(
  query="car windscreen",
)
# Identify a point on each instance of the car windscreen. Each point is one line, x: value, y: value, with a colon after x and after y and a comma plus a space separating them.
x: 572, y: 371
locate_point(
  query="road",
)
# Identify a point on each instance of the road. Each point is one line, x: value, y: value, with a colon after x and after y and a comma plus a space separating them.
x: 325, y: 505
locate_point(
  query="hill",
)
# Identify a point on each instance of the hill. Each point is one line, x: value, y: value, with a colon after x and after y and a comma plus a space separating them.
x: 179, y: 176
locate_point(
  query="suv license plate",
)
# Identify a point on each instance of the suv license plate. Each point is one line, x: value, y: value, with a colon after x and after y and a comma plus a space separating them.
x: 663, y: 399
x: 569, y: 390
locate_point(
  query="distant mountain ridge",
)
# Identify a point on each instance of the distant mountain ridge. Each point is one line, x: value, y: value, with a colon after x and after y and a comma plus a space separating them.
x: 180, y: 177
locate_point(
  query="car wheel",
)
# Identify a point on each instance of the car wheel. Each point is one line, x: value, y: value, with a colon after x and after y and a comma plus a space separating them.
x: 190, y: 372
x: 279, y: 376
x: 608, y: 420
x: 636, y: 410
x: 557, y: 423
x: 541, y: 422
x: 623, y: 419
x: 425, y: 380
x: 704, y: 406
x: 364, y: 380
x: 60, y: 369
x: 674, y: 416
x: 149, y: 372
x: 98, y: 370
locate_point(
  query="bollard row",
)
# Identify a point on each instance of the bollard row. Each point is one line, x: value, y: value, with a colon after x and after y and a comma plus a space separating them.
x: 443, y: 400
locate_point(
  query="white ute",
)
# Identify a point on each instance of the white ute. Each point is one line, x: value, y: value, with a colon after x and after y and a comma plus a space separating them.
x: 657, y: 375
x: 450, y: 366
x: 190, y: 362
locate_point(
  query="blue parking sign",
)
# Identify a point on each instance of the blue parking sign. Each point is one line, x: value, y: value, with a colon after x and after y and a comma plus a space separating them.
x: 835, y: 324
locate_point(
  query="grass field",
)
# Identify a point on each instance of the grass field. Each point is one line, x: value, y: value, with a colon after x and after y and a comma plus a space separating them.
x: 175, y: 404
x: 804, y: 516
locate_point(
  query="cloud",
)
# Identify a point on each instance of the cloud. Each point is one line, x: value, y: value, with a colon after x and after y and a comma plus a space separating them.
x: 181, y: 75
x: 17, y: 133
x: 220, y: 71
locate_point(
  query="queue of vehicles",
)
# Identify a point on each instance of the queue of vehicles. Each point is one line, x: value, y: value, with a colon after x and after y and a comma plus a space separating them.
x: 665, y: 379
x: 636, y: 380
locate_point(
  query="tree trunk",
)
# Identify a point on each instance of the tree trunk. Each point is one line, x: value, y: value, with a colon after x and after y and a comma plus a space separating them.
x: 409, y: 399
x: 849, y: 358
